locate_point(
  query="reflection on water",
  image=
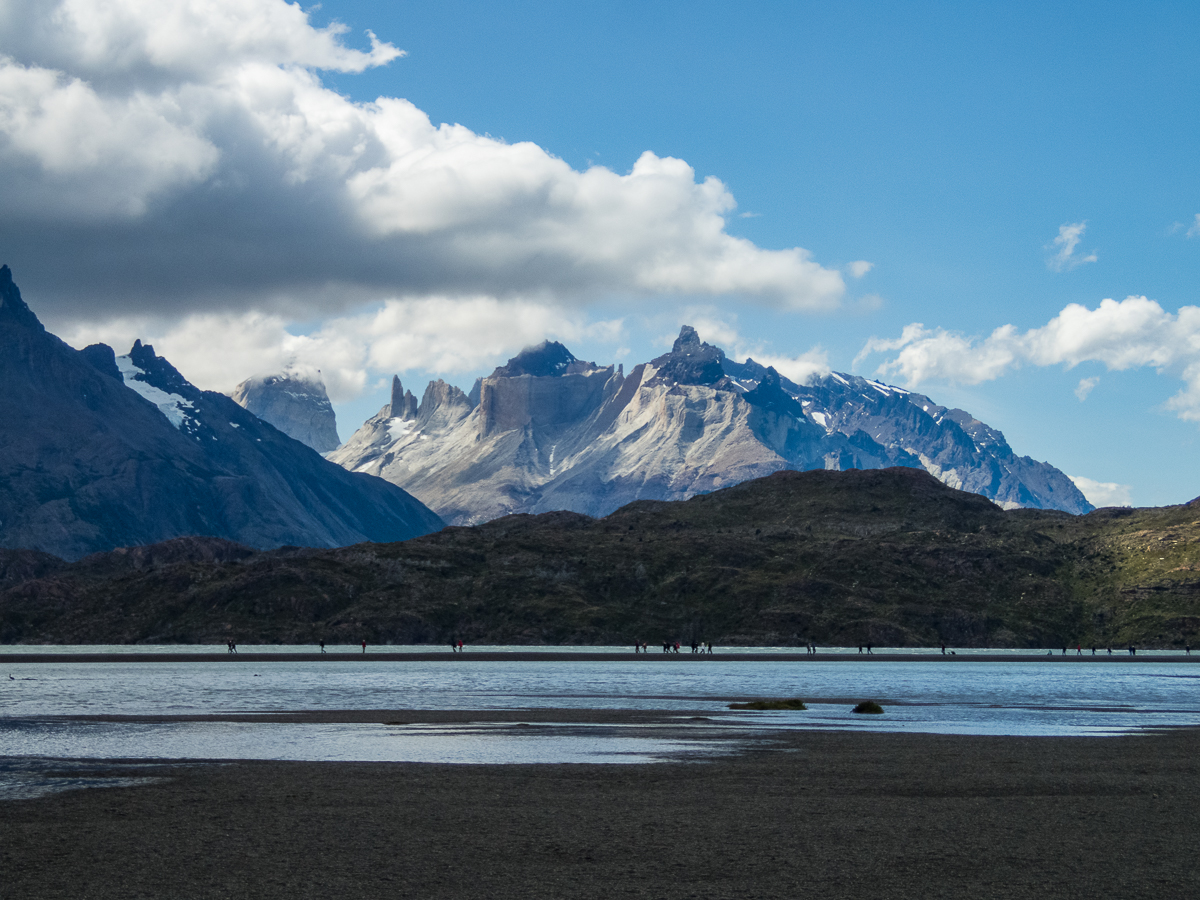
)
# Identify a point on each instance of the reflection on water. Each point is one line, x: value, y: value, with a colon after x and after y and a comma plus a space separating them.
x: 30, y: 778
x: 479, y: 744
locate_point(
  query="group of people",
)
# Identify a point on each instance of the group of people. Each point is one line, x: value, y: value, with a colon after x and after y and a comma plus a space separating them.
x: 232, y: 646
x: 669, y: 647
x: 456, y: 646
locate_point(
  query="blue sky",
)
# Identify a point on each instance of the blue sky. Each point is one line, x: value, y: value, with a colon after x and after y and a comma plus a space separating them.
x: 944, y: 144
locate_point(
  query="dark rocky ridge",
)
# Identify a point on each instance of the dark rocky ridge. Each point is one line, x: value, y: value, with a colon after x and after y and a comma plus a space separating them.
x: 891, y: 557
x: 88, y: 464
x: 547, y: 359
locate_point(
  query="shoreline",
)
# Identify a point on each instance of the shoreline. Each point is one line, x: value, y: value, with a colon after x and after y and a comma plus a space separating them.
x: 583, y: 656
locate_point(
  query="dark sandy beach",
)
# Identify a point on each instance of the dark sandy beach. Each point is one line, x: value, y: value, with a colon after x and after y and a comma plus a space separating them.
x: 827, y: 815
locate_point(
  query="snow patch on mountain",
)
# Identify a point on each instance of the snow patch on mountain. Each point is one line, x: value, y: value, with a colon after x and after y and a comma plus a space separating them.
x: 399, y: 428
x: 173, y: 406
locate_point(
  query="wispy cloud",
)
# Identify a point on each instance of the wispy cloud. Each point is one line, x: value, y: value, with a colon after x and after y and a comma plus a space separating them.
x: 859, y: 268
x: 1133, y: 333
x: 1194, y: 231
x: 1085, y: 387
x: 1064, y: 246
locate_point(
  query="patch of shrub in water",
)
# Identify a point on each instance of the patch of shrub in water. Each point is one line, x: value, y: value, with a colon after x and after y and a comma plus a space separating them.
x: 794, y: 703
x: 869, y: 706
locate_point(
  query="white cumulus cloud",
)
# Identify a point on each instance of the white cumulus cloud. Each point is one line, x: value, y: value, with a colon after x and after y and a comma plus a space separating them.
x: 186, y: 154
x: 1133, y: 333
x: 442, y: 334
x: 1103, y: 493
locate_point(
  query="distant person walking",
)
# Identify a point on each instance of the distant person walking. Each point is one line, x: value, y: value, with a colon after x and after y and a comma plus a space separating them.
x: 460, y: 645
x: 322, y: 646
x: 364, y: 648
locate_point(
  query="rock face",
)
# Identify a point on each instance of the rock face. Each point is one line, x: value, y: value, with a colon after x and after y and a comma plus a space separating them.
x: 295, y: 402
x: 99, y: 451
x: 551, y: 432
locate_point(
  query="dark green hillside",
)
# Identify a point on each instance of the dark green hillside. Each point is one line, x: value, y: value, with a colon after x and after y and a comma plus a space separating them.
x: 891, y: 557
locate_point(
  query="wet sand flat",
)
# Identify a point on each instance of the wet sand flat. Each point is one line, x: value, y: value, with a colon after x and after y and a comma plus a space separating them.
x: 830, y: 815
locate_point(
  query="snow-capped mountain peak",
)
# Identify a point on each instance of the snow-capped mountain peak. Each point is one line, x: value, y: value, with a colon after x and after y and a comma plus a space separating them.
x: 551, y: 432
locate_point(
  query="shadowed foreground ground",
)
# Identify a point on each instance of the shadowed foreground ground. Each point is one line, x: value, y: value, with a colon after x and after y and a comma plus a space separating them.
x: 820, y: 815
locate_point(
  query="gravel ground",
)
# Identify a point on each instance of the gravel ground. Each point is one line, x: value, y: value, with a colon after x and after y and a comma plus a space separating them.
x: 829, y: 815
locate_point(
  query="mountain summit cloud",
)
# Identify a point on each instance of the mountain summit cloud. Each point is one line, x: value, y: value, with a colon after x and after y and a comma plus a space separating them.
x: 187, y: 154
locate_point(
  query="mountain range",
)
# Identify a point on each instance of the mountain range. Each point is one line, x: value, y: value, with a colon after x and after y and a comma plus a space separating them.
x: 99, y: 451
x: 548, y: 431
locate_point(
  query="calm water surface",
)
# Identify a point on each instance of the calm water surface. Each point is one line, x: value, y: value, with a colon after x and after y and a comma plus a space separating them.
x: 1017, y: 698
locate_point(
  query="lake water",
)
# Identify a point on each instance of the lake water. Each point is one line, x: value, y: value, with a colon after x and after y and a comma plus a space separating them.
x: 1086, y: 698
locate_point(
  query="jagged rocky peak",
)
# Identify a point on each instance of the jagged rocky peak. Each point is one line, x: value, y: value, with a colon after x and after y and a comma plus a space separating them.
x: 12, y: 308
x: 155, y: 370
x: 103, y: 358
x: 549, y: 358
x: 404, y: 403
x: 295, y: 402
x: 442, y: 403
x: 691, y: 361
